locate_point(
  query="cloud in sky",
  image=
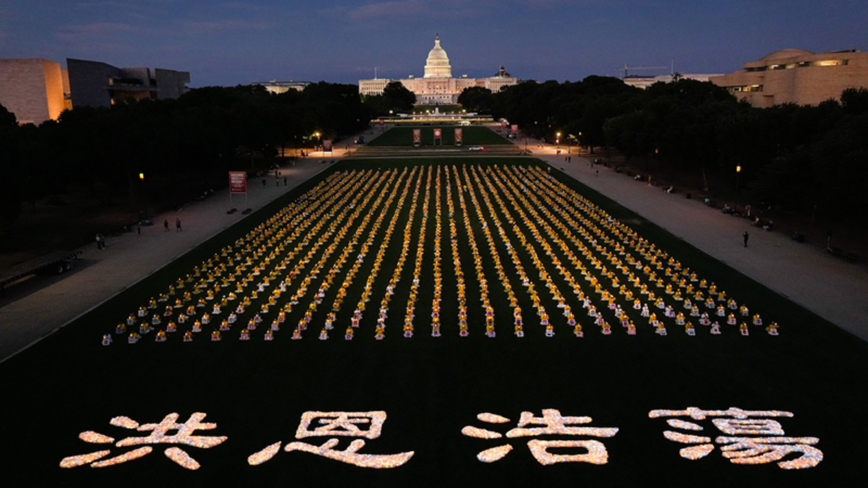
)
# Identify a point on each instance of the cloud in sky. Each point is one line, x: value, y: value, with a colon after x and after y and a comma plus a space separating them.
x: 418, y: 10
x: 198, y: 27
x: 93, y: 30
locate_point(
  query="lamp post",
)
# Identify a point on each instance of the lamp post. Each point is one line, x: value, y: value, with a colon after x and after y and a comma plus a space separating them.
x: 737, y: 173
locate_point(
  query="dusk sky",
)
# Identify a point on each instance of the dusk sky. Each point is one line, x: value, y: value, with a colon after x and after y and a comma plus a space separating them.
x: 239, y: 42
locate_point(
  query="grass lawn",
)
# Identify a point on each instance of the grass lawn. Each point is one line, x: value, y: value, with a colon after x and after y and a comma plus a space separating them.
x: 473, y: 136
x: 255, y: 392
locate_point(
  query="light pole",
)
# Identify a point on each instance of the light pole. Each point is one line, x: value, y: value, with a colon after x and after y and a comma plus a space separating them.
x: 737, y: 172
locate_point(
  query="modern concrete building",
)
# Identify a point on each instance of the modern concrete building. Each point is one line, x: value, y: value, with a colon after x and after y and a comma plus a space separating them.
x: 35, y: 90
x: 97, y: 84
x: 437, y: 86
x: 275, y: 86
x: 797, y: 76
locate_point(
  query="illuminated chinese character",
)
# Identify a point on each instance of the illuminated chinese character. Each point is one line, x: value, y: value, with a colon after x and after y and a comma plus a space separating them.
x: 157, y: 436
x: 735, y: 446
x: 553, y: 423
x: 333, y: 424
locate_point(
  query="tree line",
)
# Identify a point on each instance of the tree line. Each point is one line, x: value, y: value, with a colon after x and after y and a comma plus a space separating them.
x: 807, y: 159
x: 197, y: 137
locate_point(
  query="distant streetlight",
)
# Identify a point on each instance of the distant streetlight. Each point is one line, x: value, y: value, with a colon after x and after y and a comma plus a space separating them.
x: 737, y: 172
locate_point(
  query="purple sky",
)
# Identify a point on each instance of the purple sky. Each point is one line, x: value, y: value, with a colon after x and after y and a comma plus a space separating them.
x: 238, y: 42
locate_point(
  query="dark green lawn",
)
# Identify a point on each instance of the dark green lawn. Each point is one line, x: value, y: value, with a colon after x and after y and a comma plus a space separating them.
x: 255, y: 392
x: 473, y: 136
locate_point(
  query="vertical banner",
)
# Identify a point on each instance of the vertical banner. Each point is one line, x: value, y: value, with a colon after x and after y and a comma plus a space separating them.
x: 237, y: 182
x: 327, y: 145
x: 459, y: 136
x: 417, y: 137
x: 515, y: 128
x: 438, y: 136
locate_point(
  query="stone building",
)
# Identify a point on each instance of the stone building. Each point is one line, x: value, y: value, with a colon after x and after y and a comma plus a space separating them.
x: 437, y: 86
x: 35, y: 90
x: 278, y: 87
x: 797, y: 76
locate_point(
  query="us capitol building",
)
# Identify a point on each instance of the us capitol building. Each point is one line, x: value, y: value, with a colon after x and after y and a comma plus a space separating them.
x: 438, y: 87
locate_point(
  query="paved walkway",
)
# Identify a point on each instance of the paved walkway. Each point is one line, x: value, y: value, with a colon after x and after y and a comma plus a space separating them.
x: 832, y: 288
x: 127, y: 259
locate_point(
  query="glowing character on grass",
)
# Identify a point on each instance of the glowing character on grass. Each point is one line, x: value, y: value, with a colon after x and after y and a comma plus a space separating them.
x: 753, y: 437
x: 334, y: 424
x: 553, y: 423
x: 184, y: 436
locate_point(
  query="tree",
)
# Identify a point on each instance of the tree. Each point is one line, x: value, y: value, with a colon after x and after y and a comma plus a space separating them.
x: 477, y: 99
x: 399, y: 96
x: 7, y: 118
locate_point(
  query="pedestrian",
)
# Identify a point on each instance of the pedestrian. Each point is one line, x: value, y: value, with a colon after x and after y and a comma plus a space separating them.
x: 177, y: 224
x: 746, y: 236
x: 139, y: 228
x: 598, y: 172
x: 263, y: 182
x: 284, y: 181
x: 166, y: 225
x: 98, y: 242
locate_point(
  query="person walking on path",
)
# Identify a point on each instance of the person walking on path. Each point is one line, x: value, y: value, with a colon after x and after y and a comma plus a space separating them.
x: 166, y: 225
x: 177, y: 224
x: 746, y: 236
x: 98, y: 242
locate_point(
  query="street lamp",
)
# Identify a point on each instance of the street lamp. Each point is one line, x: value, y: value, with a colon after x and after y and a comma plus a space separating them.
x: 737, y: 172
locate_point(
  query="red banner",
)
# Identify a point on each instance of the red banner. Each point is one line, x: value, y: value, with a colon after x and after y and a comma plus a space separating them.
x: 327, y: 145
x: 515, y: 128
x: 504, y: 123
x: 459, y: 136
x: 417, y: 136
x: 438, y: 133
x: 237, y: 182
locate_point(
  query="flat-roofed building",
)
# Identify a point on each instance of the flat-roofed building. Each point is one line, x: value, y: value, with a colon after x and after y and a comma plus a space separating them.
x: 275, y: 86
x: 97, y: 84
x: 797, y: 76
x: 644, y: 82
x: 35, y: 90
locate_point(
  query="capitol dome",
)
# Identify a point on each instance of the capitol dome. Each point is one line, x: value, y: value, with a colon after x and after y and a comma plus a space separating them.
x: 437, y: 65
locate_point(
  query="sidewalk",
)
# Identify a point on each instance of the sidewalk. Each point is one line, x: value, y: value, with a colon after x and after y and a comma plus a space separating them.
x: 831, y: 288
x: 127, y: 259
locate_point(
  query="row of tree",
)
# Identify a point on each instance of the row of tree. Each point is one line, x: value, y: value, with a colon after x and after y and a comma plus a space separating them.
x: 809, y: 159
x: 198, y: 136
